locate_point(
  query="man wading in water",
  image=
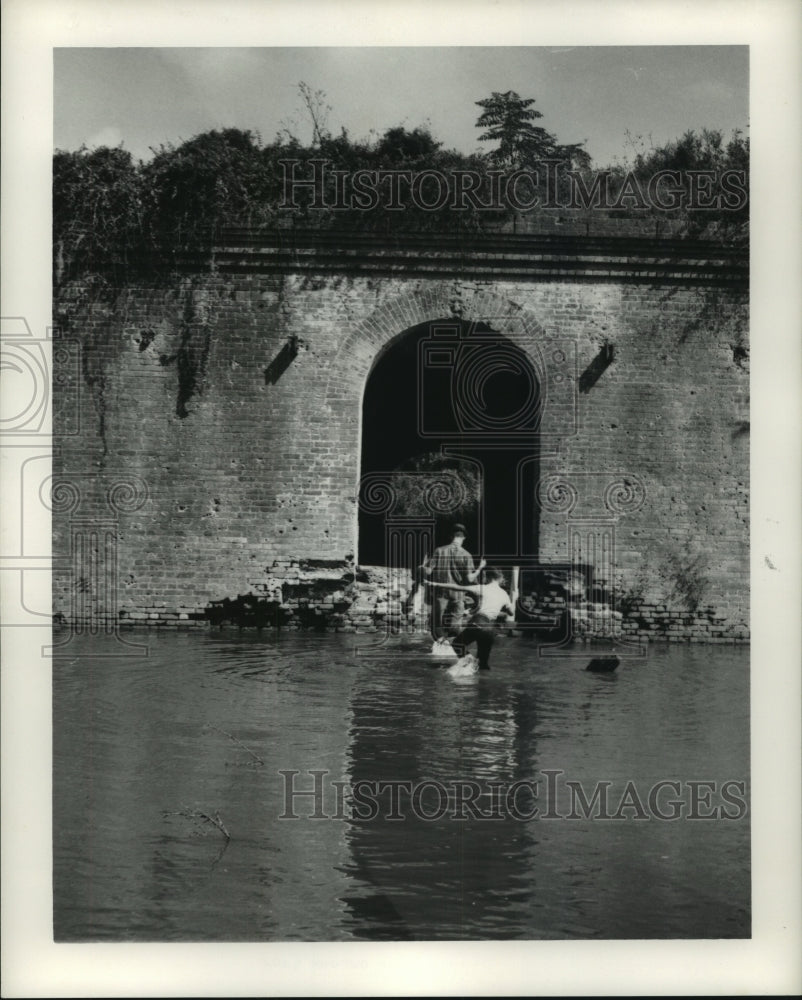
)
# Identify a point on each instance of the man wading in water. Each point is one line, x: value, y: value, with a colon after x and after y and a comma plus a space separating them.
x: 481, y: 629
x: 450, y: 567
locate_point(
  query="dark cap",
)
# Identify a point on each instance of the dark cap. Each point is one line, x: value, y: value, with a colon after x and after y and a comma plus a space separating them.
x: 458, y: 529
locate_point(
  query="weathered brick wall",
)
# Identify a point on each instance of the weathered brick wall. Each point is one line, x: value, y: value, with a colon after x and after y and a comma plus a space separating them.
x: 208, y: 475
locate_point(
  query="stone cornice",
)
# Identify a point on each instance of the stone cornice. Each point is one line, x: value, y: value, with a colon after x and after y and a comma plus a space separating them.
x: 508, y: 257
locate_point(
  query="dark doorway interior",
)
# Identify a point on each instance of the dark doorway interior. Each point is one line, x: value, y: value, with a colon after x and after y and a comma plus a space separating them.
x: 462, y: 387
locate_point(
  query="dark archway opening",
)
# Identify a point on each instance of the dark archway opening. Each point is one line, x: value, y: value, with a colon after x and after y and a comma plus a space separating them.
x: 456, y: 396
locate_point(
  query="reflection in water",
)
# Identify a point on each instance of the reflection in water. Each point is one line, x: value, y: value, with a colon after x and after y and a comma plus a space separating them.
x: 156, y: 759
x: 448, y: 877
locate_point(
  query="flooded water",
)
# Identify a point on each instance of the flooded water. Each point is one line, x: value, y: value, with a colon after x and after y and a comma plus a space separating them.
x: 169, y: 796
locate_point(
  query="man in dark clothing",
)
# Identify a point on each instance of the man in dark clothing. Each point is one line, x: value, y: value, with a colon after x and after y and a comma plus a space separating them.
x: 450, y: 564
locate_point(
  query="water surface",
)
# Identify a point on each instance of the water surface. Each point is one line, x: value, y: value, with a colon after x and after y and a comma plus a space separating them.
x: 157, y: 758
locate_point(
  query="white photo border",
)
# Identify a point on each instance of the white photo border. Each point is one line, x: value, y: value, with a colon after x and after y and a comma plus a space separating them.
x: 768, y: 963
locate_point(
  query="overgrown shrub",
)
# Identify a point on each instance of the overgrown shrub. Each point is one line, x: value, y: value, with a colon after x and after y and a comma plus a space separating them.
x: 114, y: 216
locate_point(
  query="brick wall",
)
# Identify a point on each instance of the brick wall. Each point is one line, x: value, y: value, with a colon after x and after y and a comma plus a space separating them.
x: 210, y: 457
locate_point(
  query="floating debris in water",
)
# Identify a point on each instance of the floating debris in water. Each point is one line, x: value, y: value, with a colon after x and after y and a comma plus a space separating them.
x: 603, y: 664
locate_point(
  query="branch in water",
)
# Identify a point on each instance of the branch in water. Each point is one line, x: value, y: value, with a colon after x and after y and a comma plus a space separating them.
x: 255, y: 756
x: 198, y: 814
x: 216, y: 821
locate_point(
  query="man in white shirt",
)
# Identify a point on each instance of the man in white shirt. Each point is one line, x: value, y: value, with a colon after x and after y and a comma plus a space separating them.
x: 493, y: 601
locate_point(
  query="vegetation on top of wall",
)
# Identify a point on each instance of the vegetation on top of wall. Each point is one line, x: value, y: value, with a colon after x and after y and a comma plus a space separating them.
x: 693, y: 154
x: 114, y: 217
x: 98, y: 212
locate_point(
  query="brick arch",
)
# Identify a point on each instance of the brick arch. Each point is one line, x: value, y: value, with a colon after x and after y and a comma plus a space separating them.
x: 373, y: 334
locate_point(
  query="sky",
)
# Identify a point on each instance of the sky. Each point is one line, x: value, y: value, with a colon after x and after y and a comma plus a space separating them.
x: 143, y: 97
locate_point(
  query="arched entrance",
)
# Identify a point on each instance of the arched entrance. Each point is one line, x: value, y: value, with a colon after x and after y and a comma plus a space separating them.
x: 455, y: 398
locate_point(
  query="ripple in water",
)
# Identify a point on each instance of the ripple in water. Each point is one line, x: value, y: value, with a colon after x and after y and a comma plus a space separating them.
x: 168, y: 794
